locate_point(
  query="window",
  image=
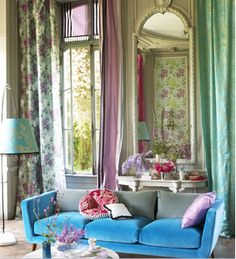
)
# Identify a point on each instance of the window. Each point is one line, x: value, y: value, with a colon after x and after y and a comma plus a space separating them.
x: 80, y: 92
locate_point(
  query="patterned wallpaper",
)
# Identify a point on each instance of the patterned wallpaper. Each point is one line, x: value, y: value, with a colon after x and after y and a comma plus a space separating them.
x: 171, y: 98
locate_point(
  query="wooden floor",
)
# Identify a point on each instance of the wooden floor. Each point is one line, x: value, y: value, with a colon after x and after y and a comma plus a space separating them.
x: 225, y: 248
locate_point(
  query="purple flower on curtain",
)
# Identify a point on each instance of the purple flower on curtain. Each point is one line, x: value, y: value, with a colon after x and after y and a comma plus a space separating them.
x: 24, y: 8
x: 45, y: 124
x: 27, y: 42
x: 42, y: 49
x: 40, y: 93
x: 48, y: 159
x: 29, y: 78
x: 43, y: 87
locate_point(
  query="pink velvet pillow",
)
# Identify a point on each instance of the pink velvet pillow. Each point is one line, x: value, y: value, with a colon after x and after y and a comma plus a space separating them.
x: 196, y: 212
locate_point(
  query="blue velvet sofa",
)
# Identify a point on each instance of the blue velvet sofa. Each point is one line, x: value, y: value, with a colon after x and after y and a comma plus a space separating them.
x: 154, y: 230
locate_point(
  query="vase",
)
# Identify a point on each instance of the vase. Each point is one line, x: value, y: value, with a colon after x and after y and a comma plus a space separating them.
x: 65, y: 246
x: 167, y: 176
x: 162, y: 176
x: 46, y: 250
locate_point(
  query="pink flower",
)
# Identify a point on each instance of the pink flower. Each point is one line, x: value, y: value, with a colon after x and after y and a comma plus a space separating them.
x: 166, y: 167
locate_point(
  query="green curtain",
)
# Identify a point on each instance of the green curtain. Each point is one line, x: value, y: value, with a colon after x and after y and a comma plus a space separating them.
x: 216, y: 48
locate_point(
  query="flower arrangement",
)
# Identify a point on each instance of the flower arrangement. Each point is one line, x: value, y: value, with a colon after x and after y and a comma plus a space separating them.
x: 68, y: 237
x: 161, y: 145
x: 166, y: 167
x: 63, y: 232
x: 69, y: 234
x: 135, y: 162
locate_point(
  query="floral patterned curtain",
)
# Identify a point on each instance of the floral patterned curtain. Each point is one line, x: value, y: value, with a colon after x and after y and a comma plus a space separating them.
x: 40, y: 97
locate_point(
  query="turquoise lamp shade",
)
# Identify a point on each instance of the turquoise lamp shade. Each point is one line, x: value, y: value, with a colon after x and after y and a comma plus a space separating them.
x: 16, y: 137
x: 143, y: 131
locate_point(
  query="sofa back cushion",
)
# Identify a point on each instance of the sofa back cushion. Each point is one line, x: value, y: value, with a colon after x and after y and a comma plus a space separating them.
x: 68, y: 199
x: 173, y: 205
x: 139, y: 203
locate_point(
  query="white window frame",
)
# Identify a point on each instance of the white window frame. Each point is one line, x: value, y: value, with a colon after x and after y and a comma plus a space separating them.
x: 93, y: 44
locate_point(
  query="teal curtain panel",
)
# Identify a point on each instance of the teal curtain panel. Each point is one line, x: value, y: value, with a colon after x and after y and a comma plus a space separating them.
x: 216, y: 49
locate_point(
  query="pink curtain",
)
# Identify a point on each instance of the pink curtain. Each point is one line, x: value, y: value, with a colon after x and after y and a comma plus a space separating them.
x: 81, y: 20
x: 111, y: 129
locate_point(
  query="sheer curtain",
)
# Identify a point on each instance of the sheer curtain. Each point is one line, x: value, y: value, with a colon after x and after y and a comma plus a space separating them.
x: 216, y: 46
x: 111, y: 128
x: 40, y: 97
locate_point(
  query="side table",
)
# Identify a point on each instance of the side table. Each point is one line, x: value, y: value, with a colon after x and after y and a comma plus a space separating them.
x: 79, y: 252
x: 137, y: 184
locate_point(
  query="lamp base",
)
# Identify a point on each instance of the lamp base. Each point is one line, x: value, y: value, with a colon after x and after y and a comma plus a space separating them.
x: 7, y: 239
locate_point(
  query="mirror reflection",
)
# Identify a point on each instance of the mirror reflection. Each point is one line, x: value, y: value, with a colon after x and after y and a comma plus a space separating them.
x: 163, y: 87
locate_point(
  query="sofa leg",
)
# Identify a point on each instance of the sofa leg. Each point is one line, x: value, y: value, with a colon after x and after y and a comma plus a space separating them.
x: 34, y: 246
x: 212, y: 254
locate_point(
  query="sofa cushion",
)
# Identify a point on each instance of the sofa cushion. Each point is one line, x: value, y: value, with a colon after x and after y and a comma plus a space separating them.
x: 92, y: 204
x: 120, y: 230
x: 173, y: 205
x: 196, y: 212
x: 139, y: 203
x: 168, y: 233
x: 62, y: 219
x: 68, y: 199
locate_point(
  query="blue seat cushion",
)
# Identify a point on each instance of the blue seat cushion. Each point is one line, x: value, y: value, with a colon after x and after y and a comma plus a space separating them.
x: 168, y: 233
x: 119, y: 230
x: 60, y: 220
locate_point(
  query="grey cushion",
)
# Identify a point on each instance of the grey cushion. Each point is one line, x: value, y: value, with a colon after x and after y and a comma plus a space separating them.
x: 139, y: 203
x: 68, y: 199
x: 173, y: 205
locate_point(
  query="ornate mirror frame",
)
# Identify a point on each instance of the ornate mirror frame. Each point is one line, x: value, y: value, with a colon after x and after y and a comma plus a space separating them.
x: 192, y: 99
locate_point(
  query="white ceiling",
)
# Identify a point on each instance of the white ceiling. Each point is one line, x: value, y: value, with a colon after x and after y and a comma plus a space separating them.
x: 167, y: 24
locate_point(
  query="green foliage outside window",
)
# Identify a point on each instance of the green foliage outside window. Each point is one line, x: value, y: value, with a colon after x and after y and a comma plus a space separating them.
x: 82, y: 147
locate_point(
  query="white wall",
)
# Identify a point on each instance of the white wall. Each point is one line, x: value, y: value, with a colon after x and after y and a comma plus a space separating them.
x: 9, y: 74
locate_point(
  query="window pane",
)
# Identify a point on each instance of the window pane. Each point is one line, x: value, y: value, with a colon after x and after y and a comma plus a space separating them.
x: 97, y: 148
x: 97, y: 69
x: 67, y: 109
x: 82, y: 109
x: 66, y: 69
x: 68, y: 153
x: 97, y: 87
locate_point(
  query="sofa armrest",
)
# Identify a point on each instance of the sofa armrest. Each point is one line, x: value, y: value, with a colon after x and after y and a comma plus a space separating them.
x: 36, y: 205
x: 212, y: 228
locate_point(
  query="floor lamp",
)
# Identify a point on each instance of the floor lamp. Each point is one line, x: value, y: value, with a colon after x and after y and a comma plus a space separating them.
x: 16, y: 137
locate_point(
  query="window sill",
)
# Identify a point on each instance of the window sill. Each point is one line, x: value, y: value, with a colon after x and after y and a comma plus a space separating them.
x: 82, y: 175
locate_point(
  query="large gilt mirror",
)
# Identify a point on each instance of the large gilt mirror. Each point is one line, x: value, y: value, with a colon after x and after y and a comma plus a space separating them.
x: 164, y: 84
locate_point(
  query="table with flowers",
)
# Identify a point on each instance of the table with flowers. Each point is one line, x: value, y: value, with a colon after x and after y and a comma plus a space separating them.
x: 139, y: 172
x: 138, y: 184
x: 81, y: 251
